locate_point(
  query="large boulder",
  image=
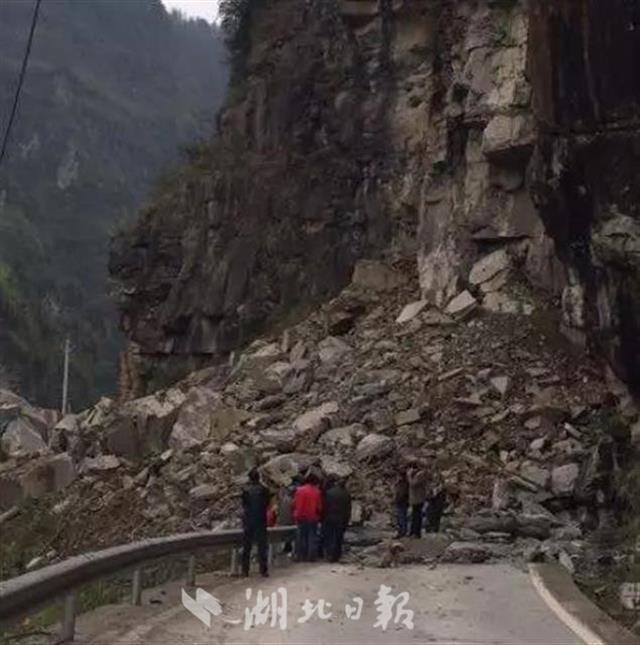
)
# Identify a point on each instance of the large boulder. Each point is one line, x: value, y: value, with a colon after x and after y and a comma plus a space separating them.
x: 8, y: 412
x: 332, y: 349
x: 42, y: 476
x: 142, y: 427
x: 316, y: 420
x: 203, y: 493
x: 241, y: 460
x: 334, y: 468
x: 467, y: 553
x: 508, y: 138
x: 535, y: 474
x: 492, y: 523
x: 564, y: 479
x: 374, y: 446
x: 270, y: 351
x: 282, y: 440
x: 342, y: 314
x: 489, y: 267
x: 410, y: 311
x: 10, y: 398
x: 97, y: 416
x: 407, y: 417
x: 376, y: 276
x: 23, y: 426
x: 344, y: 437
x: 282, y: 469
x: 101, y: 463
x: 66, y: 435
x: 533, y: 526
x: 42, y: 418
x: 204, y: 417
x: 462, y: 305
x: 22, y: 438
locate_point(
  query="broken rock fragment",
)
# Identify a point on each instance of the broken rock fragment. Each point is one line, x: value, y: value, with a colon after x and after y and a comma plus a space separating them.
x: 332, y: 349
x: 564, y: 479
x: 462, y: 305
x: 374, y: 446
x: 489, y: 267
x: 411, y: 310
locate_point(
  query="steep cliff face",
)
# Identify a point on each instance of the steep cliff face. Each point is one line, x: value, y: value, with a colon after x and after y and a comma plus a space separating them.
x: 586, y: 175
x: 290, y: 196
x: 444, y: 130
x: 542, y: 110
x: 474, y: 195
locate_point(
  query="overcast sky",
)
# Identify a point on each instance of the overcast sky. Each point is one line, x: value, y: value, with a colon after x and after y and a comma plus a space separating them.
x: 207, y: 9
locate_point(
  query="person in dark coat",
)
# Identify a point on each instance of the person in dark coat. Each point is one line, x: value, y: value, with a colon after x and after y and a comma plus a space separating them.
x: 417, y: 477
x: 435, y: 508
x: 401, y: 501
x: 255, y: 504
x: 337, y: 514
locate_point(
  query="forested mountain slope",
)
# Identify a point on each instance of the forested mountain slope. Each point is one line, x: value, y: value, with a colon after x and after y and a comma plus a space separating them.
x: 113, y: 89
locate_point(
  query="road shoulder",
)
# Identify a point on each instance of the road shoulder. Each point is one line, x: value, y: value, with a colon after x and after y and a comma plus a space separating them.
x: 557, y: 588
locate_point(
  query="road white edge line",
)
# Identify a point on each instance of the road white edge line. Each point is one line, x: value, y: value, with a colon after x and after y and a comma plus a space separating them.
x: 574, y: 624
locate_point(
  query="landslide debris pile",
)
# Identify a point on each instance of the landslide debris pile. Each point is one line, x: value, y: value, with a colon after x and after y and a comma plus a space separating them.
x: 516, y: 420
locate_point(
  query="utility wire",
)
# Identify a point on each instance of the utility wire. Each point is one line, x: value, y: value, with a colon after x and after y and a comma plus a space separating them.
x: 23, y: 71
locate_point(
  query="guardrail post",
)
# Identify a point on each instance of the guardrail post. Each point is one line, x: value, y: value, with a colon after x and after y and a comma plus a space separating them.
x: 69, y: 618
x: 136, y: 587
x: 191, y: 571
x: 235, y: 561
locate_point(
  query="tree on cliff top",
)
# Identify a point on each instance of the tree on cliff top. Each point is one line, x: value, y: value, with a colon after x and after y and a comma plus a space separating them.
x: 235, y: 20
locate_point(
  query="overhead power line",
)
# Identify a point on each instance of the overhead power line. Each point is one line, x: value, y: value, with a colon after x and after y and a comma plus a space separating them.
x: 23, y: 71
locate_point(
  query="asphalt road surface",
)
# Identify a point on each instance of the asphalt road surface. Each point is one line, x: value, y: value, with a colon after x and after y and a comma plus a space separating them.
x: 447, y: 604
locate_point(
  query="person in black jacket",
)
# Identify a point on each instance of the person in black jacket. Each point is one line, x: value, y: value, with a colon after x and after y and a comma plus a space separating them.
x: 255, y: 502
x: 401, y: 501
x: 337, y: 515
x: 435, y: 507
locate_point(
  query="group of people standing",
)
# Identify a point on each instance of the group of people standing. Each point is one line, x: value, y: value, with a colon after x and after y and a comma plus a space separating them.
x: 319, y: 506
x: 419, y: 501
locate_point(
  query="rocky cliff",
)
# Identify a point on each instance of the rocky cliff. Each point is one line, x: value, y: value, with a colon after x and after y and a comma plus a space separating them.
x: 445, y: 131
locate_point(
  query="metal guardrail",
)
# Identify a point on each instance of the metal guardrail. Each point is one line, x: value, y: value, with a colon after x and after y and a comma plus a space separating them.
x: 31, y: 590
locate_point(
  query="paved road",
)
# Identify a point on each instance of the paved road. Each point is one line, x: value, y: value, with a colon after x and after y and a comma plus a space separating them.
x: 451, y: 604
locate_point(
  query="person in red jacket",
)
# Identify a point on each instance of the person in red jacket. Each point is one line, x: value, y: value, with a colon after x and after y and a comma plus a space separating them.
x: 307, y: 513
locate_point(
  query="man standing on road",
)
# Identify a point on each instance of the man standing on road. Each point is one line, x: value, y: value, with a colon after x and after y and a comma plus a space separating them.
x: 417, y: 495
x: 435, y: 506
x: 307, y: 513
x: 337, y: 514
x: 401, y: 501
x: 255, y: 503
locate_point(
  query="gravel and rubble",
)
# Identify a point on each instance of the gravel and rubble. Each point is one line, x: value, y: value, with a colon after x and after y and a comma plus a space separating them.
x: 512, y: 416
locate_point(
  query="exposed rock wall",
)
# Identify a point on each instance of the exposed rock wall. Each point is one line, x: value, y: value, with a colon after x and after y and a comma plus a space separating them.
x: 537, y: 153
x: 290, y: 197
x: 586, y: 175
x: 474, y: 193
x: 444, y: 130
